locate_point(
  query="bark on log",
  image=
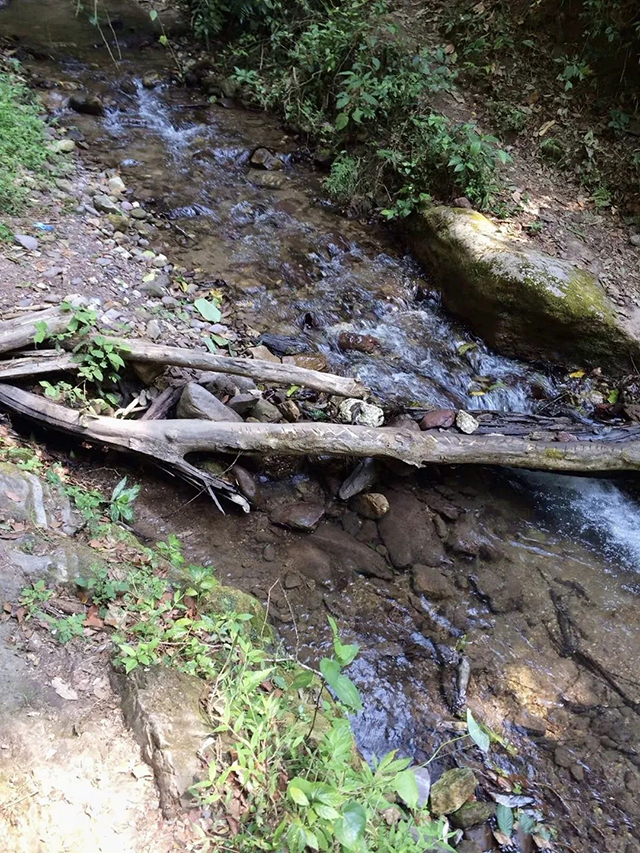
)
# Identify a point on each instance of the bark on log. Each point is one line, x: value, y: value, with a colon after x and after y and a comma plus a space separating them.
x: 170, y: 442
x: 135, y: 349
x: 19, y: 332
x: 46, y: 361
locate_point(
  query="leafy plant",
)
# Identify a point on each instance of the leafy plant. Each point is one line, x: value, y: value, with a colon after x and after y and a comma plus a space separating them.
x: 101, y: 588
x: 33, y: 596
x: 122, y: 499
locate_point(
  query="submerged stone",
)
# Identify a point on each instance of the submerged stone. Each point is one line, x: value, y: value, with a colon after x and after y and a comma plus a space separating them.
x: 521, y: 301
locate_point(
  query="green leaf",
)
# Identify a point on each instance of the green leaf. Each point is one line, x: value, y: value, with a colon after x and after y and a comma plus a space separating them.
x: 302, y: 680
x: 350, y: 828
x: 209, y: 310
x: 613, y: 396
x: 480, y: 737
x: 526, y: 823
x: 153, y: 14
x: 297, y: 795
x: 163, y: 40
x: 505, y: 819
x: 330, y: 669
x: 342, y: 120
x: 406, y: 787
x: 344, y: 689
x: 41, y: 332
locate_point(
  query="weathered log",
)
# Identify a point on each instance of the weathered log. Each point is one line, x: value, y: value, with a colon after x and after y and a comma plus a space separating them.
x: 135, y: 349
x: 116, y: 433
x: 46, y: 361
x: 20, y: 332
x: 163, y: 402
x: 169, y: 442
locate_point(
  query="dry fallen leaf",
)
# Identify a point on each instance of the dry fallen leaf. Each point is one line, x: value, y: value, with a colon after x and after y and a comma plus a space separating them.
x: 64, y: 690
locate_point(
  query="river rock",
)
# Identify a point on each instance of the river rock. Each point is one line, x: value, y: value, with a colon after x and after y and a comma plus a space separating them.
x: 86, y: 104
x: 226, y: 385
x: 363, y: 476
x: 353, y: 411
x: 309, y: 361
x: 438, y: 419
x: 359, y: 343
x: 151, y: 79
x: 197, y: 402
x: 522, y: 302
x: 116, y: 185
x: 371, y: 505
x: 104, y: 204
x: 431, y: 582
x: 452, y: 790
x: 299, y: 516
x: 245, y: 482
x: 347, y: 554
x: 27, y: 242
x: 264, y: 353
x: 471, y: 814
x: 409, y: 533
x: 262, y: 158
x: 466, y: 423
x: 266, y: 412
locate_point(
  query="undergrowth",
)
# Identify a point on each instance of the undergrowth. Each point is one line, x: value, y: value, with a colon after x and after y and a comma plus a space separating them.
x: 23, y: 152
x: 343, y: 75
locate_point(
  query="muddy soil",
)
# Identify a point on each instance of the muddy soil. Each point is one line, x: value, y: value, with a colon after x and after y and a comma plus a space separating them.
x: 532, y: 580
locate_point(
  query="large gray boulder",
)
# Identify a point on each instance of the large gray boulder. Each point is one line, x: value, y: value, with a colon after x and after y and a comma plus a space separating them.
x: 522, y: 302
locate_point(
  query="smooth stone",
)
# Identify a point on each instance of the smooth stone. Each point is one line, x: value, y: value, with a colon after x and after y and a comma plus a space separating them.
x: 27, y: 242
x: 300, y: 516
x: 261, y: 352
x: 262, y: 158
x: 104, y: 204
x: 197, y: 402
x: 438, y: 419
x: 358, y: 343
x: 431, y: 582
x: 154, y: 330
x: 266, y: 412
x: 371, y: 505
x: 86, y: 104
x: 116, y: 185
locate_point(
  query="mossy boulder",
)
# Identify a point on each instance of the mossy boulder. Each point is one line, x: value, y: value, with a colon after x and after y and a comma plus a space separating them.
x: 520, y: 301
x: 452, y: 790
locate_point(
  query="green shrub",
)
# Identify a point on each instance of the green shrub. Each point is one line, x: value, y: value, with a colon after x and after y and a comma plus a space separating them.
x: 22, y: 141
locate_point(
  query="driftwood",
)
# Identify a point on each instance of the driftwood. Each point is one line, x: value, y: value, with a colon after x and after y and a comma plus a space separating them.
x: 163, y: 402
x: 20, y: 332
x: 135, y: 349
x: 169, y: 442
x: 45, y: 361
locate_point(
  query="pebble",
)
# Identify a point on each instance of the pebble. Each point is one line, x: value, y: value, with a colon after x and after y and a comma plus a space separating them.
x: 371, y: 505
x: 29, y: 243
x: 53, y: 272
x: 466, y: 423
x: 116, y: 186
x: 635, y: 240
x: 353, y: 411
x: 138, y: 213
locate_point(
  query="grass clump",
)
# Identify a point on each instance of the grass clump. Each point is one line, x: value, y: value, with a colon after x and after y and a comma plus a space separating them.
x: 22, y: 142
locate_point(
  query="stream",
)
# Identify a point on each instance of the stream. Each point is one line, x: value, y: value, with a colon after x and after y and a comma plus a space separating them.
x: 504, y: 565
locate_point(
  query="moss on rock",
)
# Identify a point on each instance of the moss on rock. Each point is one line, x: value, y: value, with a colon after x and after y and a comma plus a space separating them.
x: 522, y: 302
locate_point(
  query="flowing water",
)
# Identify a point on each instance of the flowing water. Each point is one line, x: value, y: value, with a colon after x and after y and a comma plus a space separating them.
x: 292, y: 268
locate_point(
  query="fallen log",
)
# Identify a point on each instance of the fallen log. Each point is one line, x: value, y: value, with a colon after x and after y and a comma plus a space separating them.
x: 135, y: 349
x: 46, y: 361
x: 116, y: 433
x: 20, y: 332
x: 169, y: 442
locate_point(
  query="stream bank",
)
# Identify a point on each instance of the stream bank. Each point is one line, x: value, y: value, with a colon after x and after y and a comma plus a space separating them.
x: 534, y: 606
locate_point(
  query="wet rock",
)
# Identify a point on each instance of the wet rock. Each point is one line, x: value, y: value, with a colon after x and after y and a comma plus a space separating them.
x: 431, y: 582
x: 310, y: 361
x: 465, y: 536
x: 347, y: 553
x: 530, y: 723
x: 467, y: 846
x: 371, y: 505
x: 103, y: 204
x: 522, y: 302
x: 245, y: 482
x: 269, y: 180
x: 452, y: 790
x: 466, y: 423
x: 363, y: 476
x: 352, y: 411
x: 197, y: 402
x: 404, y: 422
x: 563, y: 758
x: 262, y: 352
x: 266, y: 412
x: 471, y: 814
x: 408, y: 532
x: 438, y: 419
x: 300, y: 516
x: 86, y: 104
x: 139, y: 213
x: 151, y: 79
x: 162, y: 707
x: 284, y: 345
x: 577, y: 771
x: 262, y: 158
x: 27, y: 242
x: 359, y: 343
